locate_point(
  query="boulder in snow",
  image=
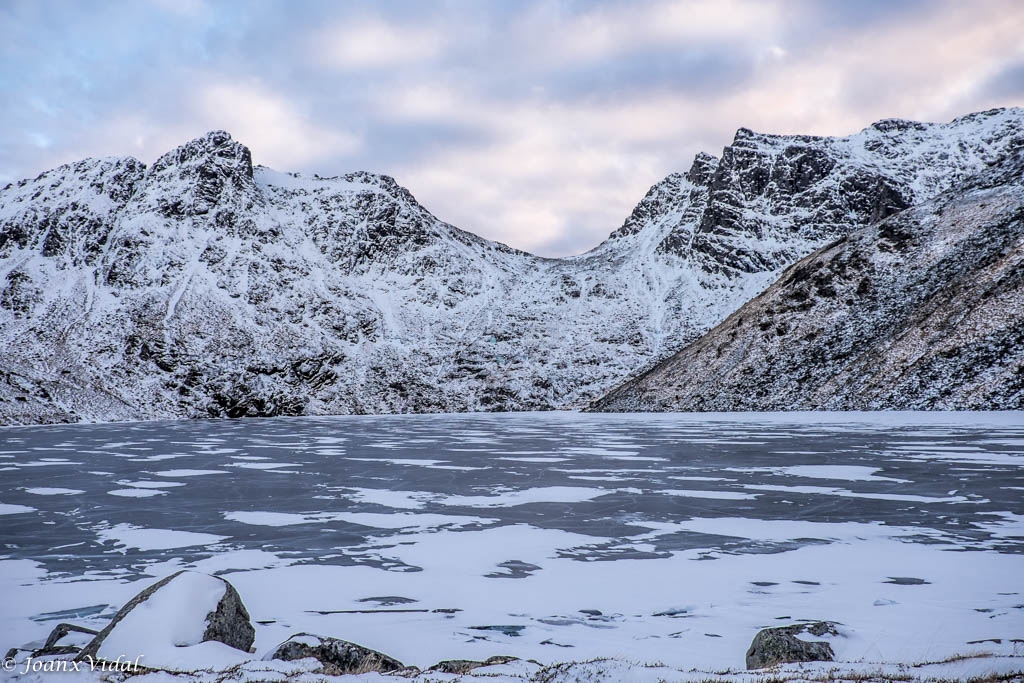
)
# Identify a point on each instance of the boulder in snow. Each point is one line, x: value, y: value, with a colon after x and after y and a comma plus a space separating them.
x: 782, y: 644
x: 65, y: 639
x: 337, y: 656
x: 464, y: 666
x: 187, y: 613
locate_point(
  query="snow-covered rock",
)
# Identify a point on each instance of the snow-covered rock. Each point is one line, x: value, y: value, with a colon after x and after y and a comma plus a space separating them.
x: 789, y: 644
x: 337, y: 657
x: 186, y: 621
x: 202, y: 286
x: 465, y: 666
x: 923, y: 310
x: 64, y: 639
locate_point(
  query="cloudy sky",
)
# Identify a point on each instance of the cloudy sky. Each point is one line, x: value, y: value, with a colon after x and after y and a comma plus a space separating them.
x: 539, y: 124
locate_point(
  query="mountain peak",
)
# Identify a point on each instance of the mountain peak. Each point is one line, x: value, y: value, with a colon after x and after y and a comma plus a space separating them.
x: 898, y: 125
x: 217, y: 148
x: 1016, y: 112
x: 198, y: 287
x: 917, y: 311
x: 205, y: 168
x: 702, y: 169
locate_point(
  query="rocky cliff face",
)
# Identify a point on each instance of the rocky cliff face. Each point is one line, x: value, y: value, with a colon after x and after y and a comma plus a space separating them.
x: 202, y: 286
x: 921, y: 310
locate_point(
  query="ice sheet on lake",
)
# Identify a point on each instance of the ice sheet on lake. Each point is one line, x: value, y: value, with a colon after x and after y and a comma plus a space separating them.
x: 721, y: 495
x: 833, y: 472
x: 129, y: 536
x: 368, y: 519
x: 403, y: 500
x: 274, y: 466
x: 150, y: 484
x: 861, y: 519
x: 546, y: 494
x: 137, y: 493
x: 52, y: 491
x: 846, y: 493
x: 425, y: 462
x: 11, y: 509
x: 533, y: 458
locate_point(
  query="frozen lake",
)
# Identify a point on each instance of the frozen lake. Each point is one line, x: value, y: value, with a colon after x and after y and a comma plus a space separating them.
x: 556, y: 536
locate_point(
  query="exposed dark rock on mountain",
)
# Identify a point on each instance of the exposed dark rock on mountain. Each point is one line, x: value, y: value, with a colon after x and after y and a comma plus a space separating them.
x: 922, y: 310
x: 203, y: 286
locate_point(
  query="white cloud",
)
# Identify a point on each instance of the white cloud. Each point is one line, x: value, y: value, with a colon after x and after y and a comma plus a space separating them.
x: 535, y: 124
x: 548, y: 165
x: 374, y: 43
x: 922, y: 68
x: 551, y: 163
x: 186, y: 8
x: 269, y: 123
x: 605, y: 32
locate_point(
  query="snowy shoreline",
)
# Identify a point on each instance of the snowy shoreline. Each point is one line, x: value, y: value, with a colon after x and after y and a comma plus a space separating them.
x: 193, y: 627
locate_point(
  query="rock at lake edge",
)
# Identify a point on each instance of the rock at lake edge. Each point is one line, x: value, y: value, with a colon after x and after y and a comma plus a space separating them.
x: 464, y: 666
x: 55, y: 643
x: 781, y: 645
x: 337, y: 656
x: 229, y: 623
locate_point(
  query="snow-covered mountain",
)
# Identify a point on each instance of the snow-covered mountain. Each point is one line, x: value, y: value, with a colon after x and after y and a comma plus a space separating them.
x: 201, y: 286
x: 923, y: 310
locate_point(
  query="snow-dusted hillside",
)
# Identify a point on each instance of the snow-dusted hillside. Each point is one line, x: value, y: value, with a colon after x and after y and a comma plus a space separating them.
x: 201, y: 286
x: 924, y: 310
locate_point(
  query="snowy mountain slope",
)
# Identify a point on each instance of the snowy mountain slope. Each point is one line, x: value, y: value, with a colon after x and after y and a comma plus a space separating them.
x: 923, y: 310
x: 202, y: 286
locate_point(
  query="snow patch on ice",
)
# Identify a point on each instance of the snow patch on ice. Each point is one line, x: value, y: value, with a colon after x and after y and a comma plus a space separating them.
x: 45, y: 491
x: 12, y: 509
x: 130, y: 536
x: 722, y: 495
x: 543, y: 494
x: 187, y: 473
x: 136, y: 493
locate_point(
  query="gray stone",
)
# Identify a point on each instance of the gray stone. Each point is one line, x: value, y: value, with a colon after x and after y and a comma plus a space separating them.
x: 54, y: 643
x: 228, y: 623
x: 464, y: 666
x: 780, y: 645
x: 337, y: 656
x: 57, y: 643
